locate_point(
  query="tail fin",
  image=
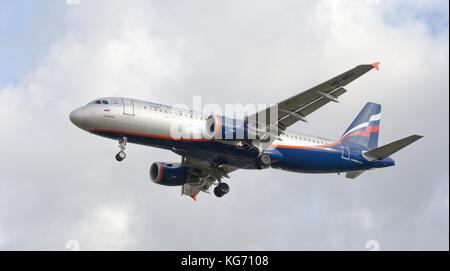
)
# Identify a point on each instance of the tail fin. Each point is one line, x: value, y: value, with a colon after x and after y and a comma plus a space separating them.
x: 364, y: 129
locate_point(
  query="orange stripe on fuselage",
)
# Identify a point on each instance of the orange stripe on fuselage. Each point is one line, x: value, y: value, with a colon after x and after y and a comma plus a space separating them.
x: 149, y: 135
x: 366, y: 132
x: 205, y: 140
x: 305, y: 147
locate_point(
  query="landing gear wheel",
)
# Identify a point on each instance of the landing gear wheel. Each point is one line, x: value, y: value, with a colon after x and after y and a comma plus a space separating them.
x: 221, y: 189
x: 122, y: 145
x: 217, y: 193
x: 264, y: 159
x: 120, y: 156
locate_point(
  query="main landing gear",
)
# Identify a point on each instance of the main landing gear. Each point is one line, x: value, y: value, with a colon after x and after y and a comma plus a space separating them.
x: 221, y: 189
x: 122, y: 145
x: 264, y: 160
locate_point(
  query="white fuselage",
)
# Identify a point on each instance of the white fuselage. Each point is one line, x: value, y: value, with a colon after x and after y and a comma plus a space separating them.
x: 159, y: 120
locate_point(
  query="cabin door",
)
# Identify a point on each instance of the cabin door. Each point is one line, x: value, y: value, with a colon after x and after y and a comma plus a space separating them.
x: 128, y: 106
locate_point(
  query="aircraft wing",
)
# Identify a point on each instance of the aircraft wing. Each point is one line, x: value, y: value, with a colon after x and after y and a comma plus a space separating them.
x: 207, y: 168
x: 205, y: 175
x: 301, y: 105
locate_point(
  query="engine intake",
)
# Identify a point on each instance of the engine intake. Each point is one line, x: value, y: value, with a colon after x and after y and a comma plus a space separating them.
x: 223, y: 128
x: 170, y: 174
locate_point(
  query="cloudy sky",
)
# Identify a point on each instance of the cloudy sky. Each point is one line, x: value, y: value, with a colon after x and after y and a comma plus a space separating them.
x: 59, y: 183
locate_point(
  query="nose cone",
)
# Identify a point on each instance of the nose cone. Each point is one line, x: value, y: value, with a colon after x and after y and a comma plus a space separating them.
x: 76, y: 117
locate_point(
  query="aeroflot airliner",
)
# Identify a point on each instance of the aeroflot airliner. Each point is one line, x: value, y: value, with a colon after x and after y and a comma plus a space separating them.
x: 257, y: 141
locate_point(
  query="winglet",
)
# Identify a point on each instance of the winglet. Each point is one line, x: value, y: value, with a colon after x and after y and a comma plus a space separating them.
x: 375, y: 65
x: 194, y: 196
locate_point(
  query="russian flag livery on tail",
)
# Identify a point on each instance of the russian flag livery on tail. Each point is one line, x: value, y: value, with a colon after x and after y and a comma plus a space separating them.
x: 255, y: 141
x: 364, y: 130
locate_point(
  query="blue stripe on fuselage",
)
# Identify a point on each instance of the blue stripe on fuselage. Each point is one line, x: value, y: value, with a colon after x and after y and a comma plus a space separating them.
x: 312, y: 159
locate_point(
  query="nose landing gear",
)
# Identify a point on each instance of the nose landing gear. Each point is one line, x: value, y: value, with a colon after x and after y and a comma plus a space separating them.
x: 122, y: 145
x: 120, y: 156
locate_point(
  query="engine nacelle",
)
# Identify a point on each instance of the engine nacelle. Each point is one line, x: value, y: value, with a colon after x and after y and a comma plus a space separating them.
x: 223, y: 128
x: 170, y: 174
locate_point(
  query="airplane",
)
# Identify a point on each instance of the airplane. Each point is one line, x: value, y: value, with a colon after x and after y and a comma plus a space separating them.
x: 255, y: 142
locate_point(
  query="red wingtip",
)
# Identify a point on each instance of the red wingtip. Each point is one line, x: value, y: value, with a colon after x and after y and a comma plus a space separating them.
x: 375, y: 65
x: 194, y: 197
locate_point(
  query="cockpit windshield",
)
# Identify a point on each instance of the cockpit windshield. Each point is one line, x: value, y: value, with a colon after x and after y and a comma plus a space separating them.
x: 96, y: 102
x: 109, y: 101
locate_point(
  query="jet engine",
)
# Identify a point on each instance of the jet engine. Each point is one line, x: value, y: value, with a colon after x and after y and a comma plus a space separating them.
x: 170, y: 174
x: 223, y: 128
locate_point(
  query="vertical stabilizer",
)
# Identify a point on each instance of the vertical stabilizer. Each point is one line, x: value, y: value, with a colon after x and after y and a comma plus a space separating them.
x: 365, y: 128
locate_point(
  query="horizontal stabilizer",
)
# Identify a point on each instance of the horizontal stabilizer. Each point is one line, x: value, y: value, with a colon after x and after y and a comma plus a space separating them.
x: 389, y: 149
x: 353, y: 174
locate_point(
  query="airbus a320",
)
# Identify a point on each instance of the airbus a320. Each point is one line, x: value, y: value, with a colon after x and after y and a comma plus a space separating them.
x: 255, y: 142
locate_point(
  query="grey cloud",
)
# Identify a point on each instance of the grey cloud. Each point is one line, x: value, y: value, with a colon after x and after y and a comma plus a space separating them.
x: 58, y: 183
